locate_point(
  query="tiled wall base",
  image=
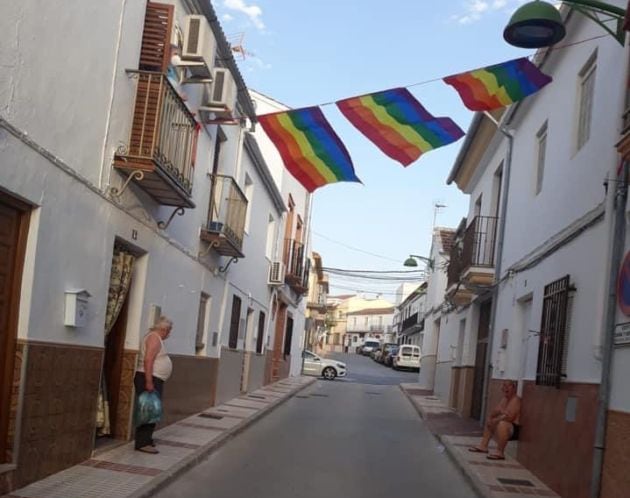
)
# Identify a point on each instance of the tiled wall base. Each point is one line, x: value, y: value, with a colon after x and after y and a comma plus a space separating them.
x: 191, y: 388
x: 558, y: 451
x: 58, y: 409
x: 616, y: 478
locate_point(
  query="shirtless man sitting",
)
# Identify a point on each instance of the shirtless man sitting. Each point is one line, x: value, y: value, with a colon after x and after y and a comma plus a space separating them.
x: 502, y: 423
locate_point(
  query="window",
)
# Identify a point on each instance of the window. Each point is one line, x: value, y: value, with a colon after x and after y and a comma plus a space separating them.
x: 541, y: 136
x: 235, y: 322
x: 261, y: 332
x: 204, y: 301
x: 586, y: 90
x: 271, y: 237
x: 553, y: 328
x: 249, y: 194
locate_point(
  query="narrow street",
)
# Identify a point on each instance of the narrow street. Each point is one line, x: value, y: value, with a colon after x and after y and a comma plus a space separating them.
x: 357, y: 437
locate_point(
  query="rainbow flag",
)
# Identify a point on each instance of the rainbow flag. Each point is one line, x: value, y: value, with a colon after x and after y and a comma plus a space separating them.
x: 500, y: 85
x: 309, y: 147
x: 398, y: 124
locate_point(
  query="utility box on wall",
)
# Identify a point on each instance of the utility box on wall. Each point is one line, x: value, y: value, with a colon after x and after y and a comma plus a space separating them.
x: 76, y: 308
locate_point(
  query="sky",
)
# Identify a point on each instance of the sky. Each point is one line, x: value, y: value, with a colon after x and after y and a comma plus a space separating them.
x: 312, y: 52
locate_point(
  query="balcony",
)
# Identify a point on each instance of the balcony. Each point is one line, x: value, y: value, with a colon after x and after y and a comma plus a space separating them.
x: 624, y: 144
x: 409, y: 322
x: 226, y: 217
x: 161, y: 148
x: 478, y: 251
x: 297, y: 272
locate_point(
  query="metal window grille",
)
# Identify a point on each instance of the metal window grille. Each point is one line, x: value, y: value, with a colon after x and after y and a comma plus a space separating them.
x: 553, y: 329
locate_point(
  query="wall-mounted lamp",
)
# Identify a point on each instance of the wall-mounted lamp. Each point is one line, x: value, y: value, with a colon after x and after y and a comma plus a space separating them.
x: 539, y: 24
x: 411, y: 261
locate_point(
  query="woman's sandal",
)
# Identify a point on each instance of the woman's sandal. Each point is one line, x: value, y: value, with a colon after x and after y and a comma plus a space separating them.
x: 495, y: 457
x: 474, y: 449
x: 148, y: 449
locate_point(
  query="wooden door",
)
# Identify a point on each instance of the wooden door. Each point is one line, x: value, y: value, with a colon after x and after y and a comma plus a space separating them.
x: 13, y: 230
x: 278, y: 342
x: 480, y: 359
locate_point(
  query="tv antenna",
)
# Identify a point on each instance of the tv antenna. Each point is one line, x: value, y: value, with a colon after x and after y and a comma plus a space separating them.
x: 237, y: 46
x: 437, y: 209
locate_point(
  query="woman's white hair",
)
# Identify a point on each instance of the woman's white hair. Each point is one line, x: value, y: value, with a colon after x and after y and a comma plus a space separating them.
x: 163, y: 323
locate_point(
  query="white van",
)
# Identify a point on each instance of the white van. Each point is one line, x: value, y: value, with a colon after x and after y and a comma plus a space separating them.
x: 370, y: 345
x: 408, y: 356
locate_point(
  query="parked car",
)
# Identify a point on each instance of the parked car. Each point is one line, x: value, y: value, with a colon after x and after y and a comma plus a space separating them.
x: 408, y: 356
x: 384, y: 351
x: 369, y: 346
x: 389, y: 356
x: 322, y: 367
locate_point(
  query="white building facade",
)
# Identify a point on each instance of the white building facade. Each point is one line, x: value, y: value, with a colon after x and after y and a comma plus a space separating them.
x: 537, y: 241
x: 129, y: 191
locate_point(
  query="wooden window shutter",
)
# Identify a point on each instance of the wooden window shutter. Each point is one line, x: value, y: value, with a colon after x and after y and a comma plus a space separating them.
x: 155, y: 53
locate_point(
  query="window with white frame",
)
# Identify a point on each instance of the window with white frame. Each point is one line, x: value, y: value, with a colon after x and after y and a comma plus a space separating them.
x: 249, y: 194
x: 271, y: 237
x: 586, y: 92
x: 541, y: 138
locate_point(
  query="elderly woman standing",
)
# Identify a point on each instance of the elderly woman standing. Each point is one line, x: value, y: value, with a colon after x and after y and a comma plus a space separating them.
x: 154, y: 368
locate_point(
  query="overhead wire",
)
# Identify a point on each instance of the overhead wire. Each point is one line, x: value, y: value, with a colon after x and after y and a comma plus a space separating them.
x: 347, y: 246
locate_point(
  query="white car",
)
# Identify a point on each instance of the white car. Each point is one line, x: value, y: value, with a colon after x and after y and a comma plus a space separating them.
x: 408, y: 356
x: 322, y: 367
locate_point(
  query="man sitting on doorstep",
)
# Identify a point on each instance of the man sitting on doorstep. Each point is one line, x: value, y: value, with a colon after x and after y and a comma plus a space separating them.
x: 502, y: 423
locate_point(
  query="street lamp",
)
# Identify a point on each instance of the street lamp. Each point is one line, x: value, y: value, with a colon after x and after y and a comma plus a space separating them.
x: 539, y: 24
x: 411, y: 261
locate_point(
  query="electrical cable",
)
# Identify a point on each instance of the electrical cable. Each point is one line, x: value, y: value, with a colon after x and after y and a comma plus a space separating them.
x: 347, y: 246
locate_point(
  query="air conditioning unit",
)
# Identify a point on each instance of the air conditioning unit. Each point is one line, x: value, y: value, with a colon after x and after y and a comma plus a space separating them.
x: 199, y: 49
x: 276, y: 273
x: 220, y: 96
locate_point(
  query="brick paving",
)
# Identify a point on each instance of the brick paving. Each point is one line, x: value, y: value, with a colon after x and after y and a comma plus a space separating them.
x: 491, y: 479
x: 123, y: 472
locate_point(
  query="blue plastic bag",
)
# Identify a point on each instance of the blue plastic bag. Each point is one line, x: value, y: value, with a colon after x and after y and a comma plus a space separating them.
x: 148, y: 408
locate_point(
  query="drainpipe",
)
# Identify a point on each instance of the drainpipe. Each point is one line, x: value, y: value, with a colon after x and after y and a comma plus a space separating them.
x: 619, y: 238
x: 507, y: 167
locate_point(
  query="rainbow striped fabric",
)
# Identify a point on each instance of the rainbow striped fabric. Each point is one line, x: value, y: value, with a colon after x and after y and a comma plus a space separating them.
x: 398, y: 124
x: 500, y: 85
x: 309, y: 147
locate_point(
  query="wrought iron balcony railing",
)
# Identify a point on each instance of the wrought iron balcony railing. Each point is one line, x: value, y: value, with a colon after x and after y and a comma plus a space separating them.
x: 409, y: 322
x: 479, y: 242
x: 225, y: 228
x: 162, y: 142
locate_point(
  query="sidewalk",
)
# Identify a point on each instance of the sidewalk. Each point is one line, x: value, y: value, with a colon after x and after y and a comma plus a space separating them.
x: 491, y: 479
x: 125, y: 473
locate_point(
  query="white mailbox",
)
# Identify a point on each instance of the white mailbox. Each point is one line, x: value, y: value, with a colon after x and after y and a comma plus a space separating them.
x: 76, y: 308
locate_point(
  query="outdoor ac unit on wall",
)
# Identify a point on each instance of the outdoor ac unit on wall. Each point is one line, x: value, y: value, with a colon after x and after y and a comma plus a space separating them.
x: 276, y: 273
x: 199, y: 49
x: 220, y: 97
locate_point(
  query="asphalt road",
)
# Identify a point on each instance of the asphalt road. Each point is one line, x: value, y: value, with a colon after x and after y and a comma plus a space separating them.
x: 364, y: 370
x: 339, y: 438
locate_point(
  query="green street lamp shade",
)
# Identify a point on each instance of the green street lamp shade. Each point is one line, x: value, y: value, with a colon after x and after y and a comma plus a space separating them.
x: 410, y: 262
x: 535, y: 25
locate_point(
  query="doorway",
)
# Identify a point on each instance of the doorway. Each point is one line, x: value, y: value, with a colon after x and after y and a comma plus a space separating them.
x: 14, y: 220
x: 247, y: 352
x: 480, y: 359
x: 278, y: 340
x: 110, y: 421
